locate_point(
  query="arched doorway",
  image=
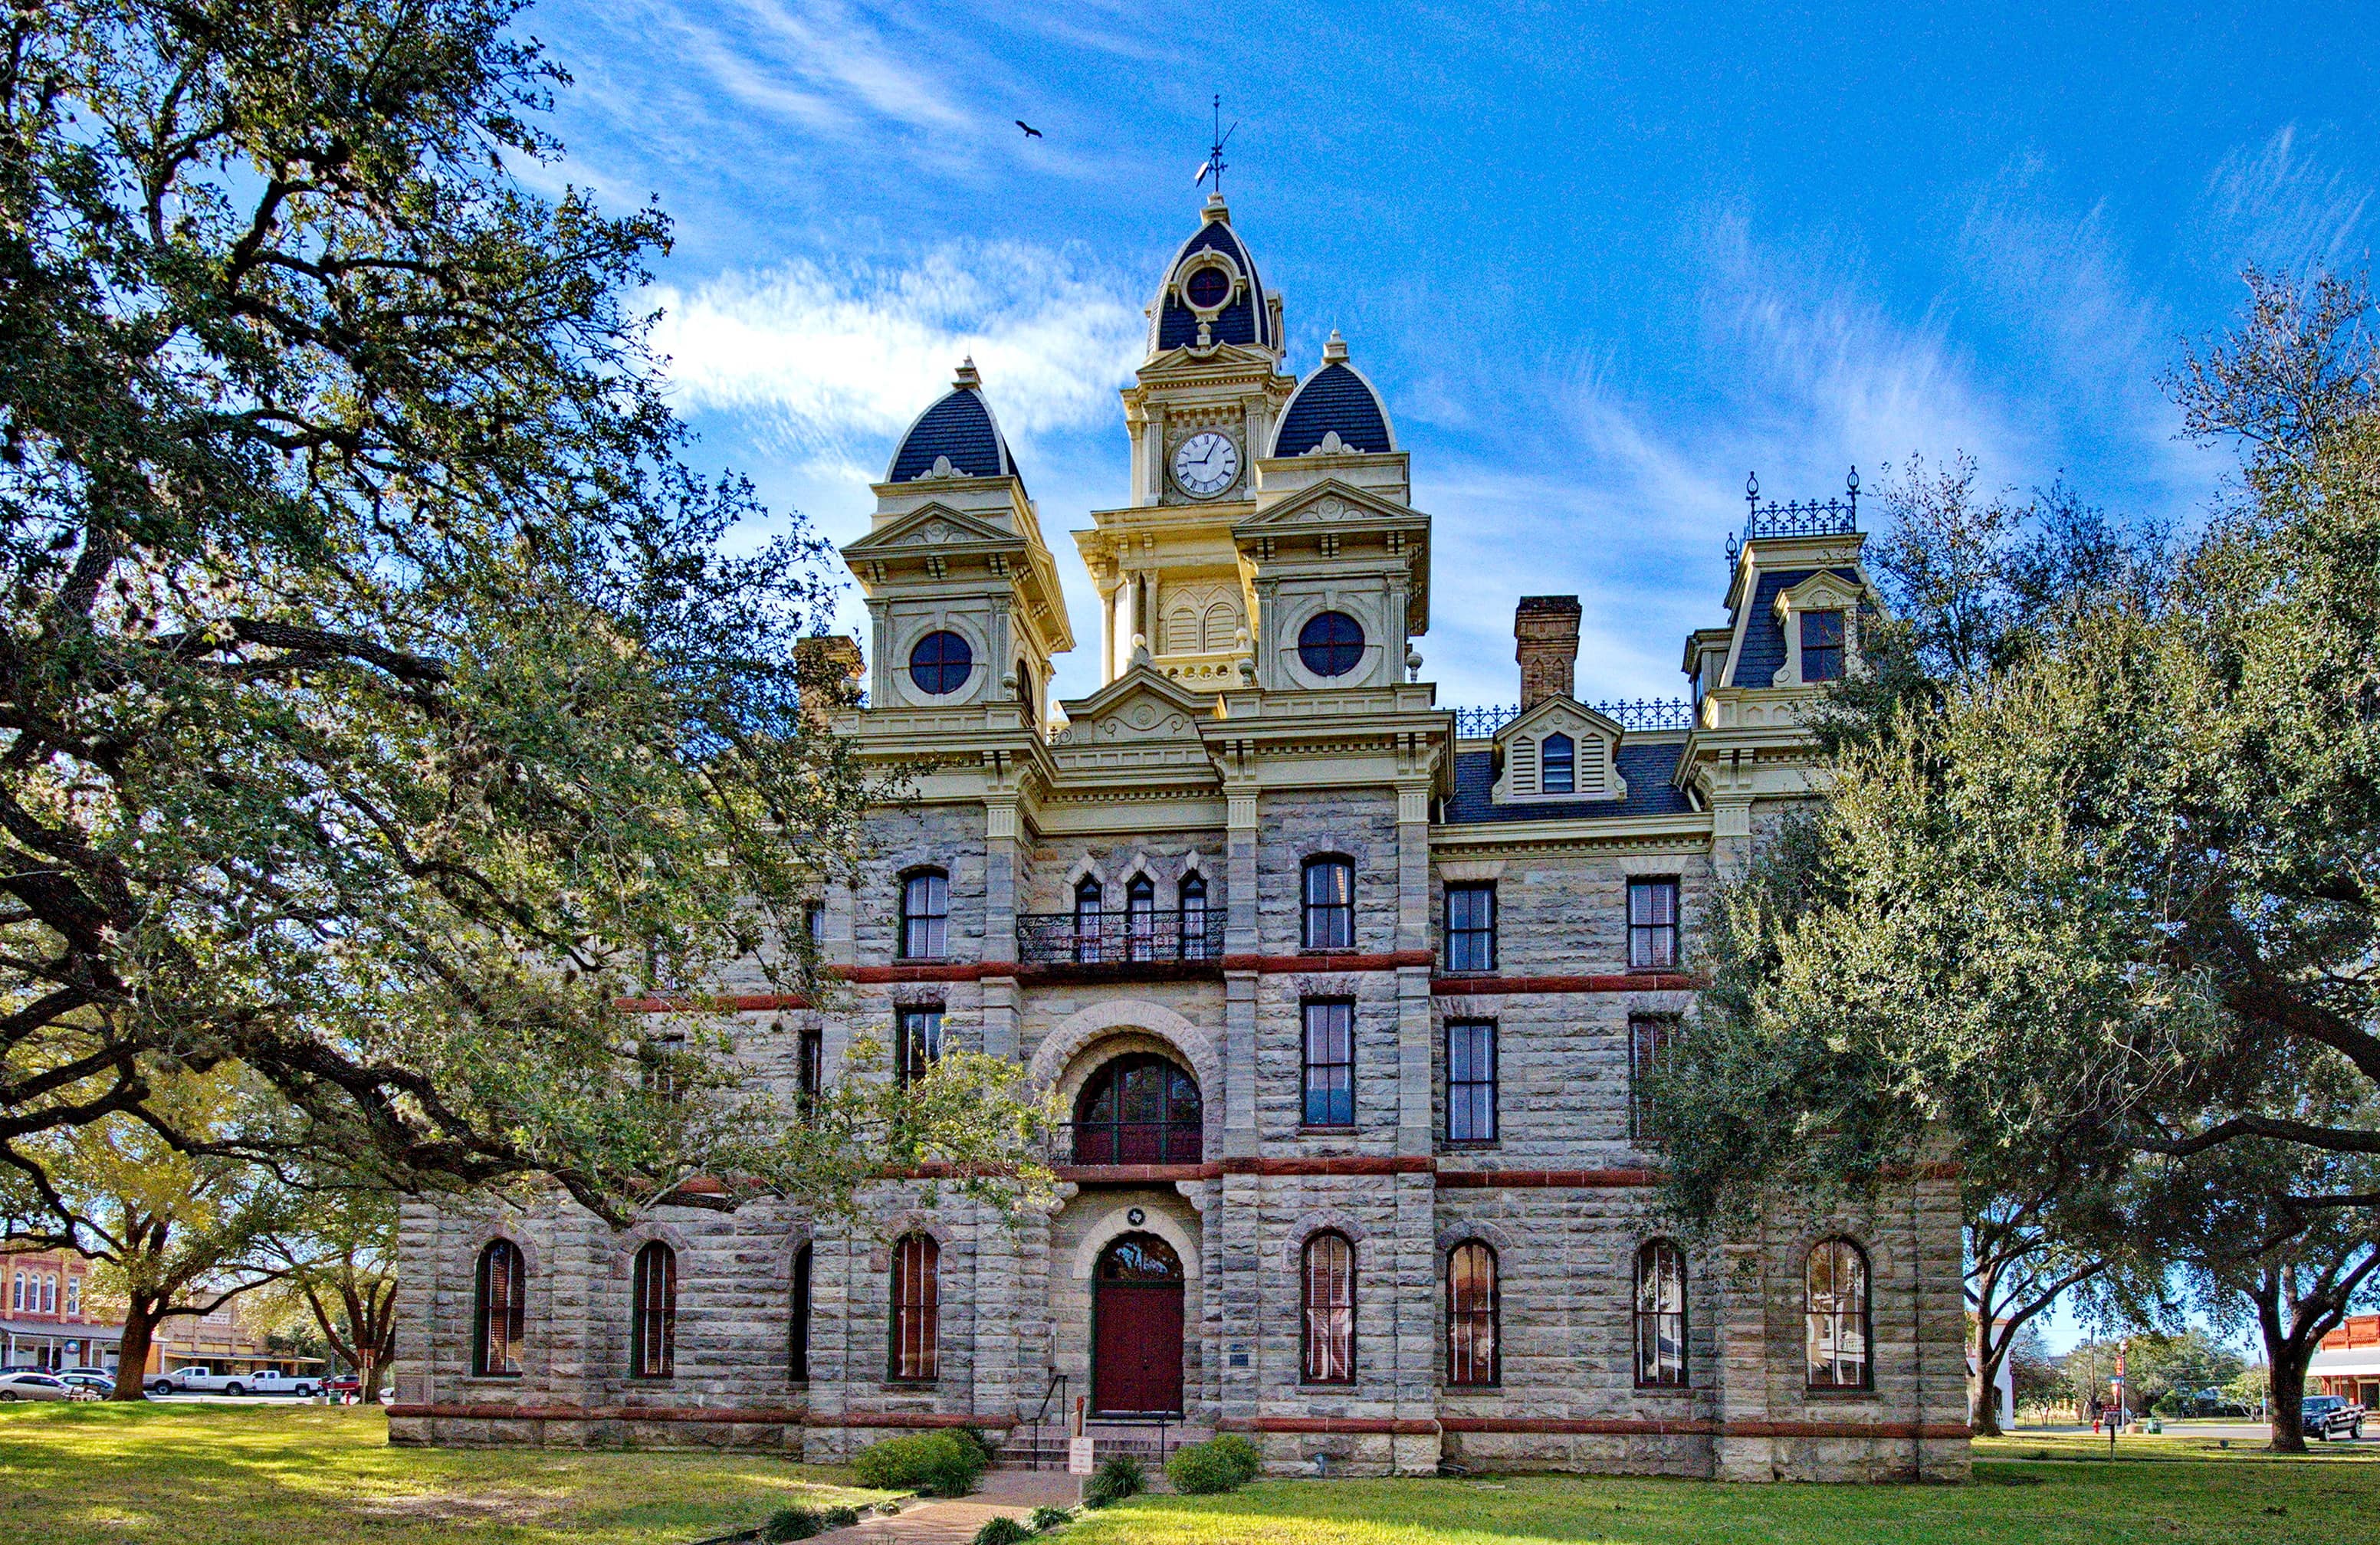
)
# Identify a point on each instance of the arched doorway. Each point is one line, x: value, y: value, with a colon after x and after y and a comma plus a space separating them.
x: 1136, y: 1326
x: 1140, y: 1109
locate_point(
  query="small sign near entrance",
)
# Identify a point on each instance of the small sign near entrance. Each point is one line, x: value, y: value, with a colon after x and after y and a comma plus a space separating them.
x: 1078, y: 1455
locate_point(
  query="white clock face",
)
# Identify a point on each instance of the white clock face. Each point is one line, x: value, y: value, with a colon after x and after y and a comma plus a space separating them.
x: 1206, y: 464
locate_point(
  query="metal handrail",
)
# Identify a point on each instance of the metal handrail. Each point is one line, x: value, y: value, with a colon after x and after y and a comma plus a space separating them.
x: 1134, y: 1143
x: 1096, y: 938
x: 1057, y: 1388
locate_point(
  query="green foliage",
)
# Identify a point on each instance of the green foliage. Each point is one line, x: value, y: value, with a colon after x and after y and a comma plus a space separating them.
x: 1002, y: 1530
x: 386, y: 706
x: 1196, y: 1470
x: 1118, y: 1477
x: 1239, y: 1452
x: 940, y: 1463
x: 984, y: 1442
x: 1045, y: 1518
x: 798, y: 1521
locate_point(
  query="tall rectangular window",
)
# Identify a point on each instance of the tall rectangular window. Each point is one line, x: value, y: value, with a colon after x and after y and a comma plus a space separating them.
x: 1471, y: 927
x: 813, y: 1069
x: 915, y: 1340
x: 1470, y: 1081
x: 1329, y: 920
x: 1652, y: 924
x: 74, y: 1295
x: 926, y: 916
x: 1822, y: 646
x: 921, y: 1031
x: 1330, y: 1062
x: 1648, y: 1042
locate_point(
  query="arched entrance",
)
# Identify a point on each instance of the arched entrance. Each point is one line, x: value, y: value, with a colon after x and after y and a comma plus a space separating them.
x: 1136, y: 1326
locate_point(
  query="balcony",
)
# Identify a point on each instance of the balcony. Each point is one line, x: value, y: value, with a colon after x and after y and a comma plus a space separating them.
x: 1120, y: 938
x: 1132, y: 1143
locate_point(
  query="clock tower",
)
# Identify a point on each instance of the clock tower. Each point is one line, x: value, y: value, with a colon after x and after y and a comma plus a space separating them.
x: 1202, y: 409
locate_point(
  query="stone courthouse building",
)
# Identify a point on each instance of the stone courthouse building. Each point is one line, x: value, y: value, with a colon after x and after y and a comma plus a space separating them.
x: 1348, y: 996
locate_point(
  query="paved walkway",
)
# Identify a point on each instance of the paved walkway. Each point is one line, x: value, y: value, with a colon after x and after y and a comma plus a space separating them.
x: 1012, y: 1493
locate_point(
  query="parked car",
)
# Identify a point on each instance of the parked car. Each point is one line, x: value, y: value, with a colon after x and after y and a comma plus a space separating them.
x: 2329, y: 1416
x: 37, y: 1385
x: 200, y: 1379
x: 2213, y: 1403
x: 97, y: 1381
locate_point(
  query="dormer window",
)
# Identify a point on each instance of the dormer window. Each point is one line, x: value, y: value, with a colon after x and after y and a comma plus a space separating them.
x: 1558, y: 764
x: 1822, y: 647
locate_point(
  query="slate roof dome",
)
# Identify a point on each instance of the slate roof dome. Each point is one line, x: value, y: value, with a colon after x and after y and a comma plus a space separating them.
x: 1211, y: 280
x: 1334, y: 410
x: 955, y: 438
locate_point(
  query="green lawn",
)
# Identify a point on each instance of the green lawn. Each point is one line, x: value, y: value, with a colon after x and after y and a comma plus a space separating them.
x: 2166, y: 1494
x: 276, y: 1475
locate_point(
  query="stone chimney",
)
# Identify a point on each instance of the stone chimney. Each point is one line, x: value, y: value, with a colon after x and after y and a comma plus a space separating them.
x: 827, y: 671
x: 1544, y: 634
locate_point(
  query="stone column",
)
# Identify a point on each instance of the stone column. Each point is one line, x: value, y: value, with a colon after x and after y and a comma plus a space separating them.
x: 1743, y: 1353
x: 1000, y: 875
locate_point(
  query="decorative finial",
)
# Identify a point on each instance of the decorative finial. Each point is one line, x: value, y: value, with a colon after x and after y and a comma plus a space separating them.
x: 1335, y: 349
x: 1852, y: 482
x: 1213, y: 166
x: 1752, y: 484
x: 1413, y: 665
x: 965, y: 377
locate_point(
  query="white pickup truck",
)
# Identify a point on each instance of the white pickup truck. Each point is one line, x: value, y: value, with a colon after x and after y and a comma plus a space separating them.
x: 200, y: 1379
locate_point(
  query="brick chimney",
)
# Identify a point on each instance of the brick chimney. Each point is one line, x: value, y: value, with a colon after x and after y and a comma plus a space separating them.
x: 1544, y: 634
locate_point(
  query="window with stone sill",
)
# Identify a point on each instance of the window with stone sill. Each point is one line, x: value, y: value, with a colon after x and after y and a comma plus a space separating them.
x: 1653, y: 925
x: 925, y: 915
x: 652, y: 1318
x: 915, y: 1342
x: 1328, y: 917
x: 1328, y: 1057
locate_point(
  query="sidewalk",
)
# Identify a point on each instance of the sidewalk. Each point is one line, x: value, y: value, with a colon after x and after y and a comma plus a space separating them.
x: 1012, y: 1493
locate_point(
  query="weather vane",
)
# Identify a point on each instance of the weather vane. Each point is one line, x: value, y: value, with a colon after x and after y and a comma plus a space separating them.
x: 1213, y: 164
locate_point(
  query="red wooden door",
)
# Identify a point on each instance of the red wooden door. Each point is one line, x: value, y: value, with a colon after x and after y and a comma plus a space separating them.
x: 1137, y: 1327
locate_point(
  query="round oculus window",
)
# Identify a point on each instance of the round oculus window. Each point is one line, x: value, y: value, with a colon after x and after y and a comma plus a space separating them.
x: 1207, y: 288
x: 939, y: 663
x: 1331, y: 643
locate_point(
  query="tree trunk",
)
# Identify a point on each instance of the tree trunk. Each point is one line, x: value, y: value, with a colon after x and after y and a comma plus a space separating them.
x: 1983, y: 1407
x: 141, y: 1319
x: 2289, y: 1367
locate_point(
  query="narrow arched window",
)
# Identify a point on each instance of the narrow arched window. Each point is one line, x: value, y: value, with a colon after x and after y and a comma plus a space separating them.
x: 499, y: 1303
x: 1660, y: 1316
x: 1090, y: 897
x: 1329, y: 909
x: 1192, y: 894
x: 926, y: 915
x: 797, y: 1355
x: 916, y: 1339
x: 1472, y: 1309
x: 1329, y: 1295
x: 1140, y: 919
x: 652, y: 1313
x: 1557, y: 765
x: 1834, y: 1307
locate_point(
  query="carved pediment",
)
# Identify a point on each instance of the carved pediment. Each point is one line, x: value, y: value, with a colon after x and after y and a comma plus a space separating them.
x: 1140, y: 705
x: 934, y: 526
x: 1329, y: 504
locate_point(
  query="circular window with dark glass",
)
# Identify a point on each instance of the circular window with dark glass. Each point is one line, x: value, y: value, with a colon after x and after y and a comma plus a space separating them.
x: 940, y: 663
x: 1207, y: 288
x: 1331, y: 643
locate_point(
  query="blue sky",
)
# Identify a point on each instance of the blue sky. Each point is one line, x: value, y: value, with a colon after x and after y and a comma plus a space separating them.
x: 1602, y: 262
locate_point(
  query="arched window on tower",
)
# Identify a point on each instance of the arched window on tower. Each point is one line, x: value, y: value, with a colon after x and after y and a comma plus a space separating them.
x: 1193, y: 896
x: 1140, y: 919
x: 1330, y: 1310
x: 1834, y: 1307
x: 915, y: 1342
x: 500, y: 1301
x: 1660, y: 1316
x: 652, y: 1317
x: 1089, y: 898
x: 1472, y: 1315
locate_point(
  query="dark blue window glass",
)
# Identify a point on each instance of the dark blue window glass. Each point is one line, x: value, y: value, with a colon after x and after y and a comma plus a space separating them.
x: 1329, y: 1058
x: 940, y: 663
x: 1331, y: 643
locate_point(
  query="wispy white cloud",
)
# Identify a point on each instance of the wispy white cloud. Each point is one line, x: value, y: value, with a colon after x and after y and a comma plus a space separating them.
x: 834, y: 361
x: 2279, y: 204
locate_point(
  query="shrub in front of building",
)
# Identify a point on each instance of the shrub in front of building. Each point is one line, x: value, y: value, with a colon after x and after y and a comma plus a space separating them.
x: 938, y: 1464
x: 1198, y: 1468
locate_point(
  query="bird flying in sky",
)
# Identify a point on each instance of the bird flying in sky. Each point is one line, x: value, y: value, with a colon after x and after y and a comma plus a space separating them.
x: 1031, y: 132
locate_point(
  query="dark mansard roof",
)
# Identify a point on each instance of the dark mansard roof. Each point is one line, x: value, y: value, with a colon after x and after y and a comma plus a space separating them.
x: 1647, y: 764
x: 1335, y: 399
x: 1247, y: 320
x: 960, y: 428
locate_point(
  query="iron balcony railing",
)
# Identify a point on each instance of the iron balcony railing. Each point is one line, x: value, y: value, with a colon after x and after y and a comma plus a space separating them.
x: 1132, y: 1143
x: 1640, y: 714
x: 1106, y: 939
x: 1808, y: 517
